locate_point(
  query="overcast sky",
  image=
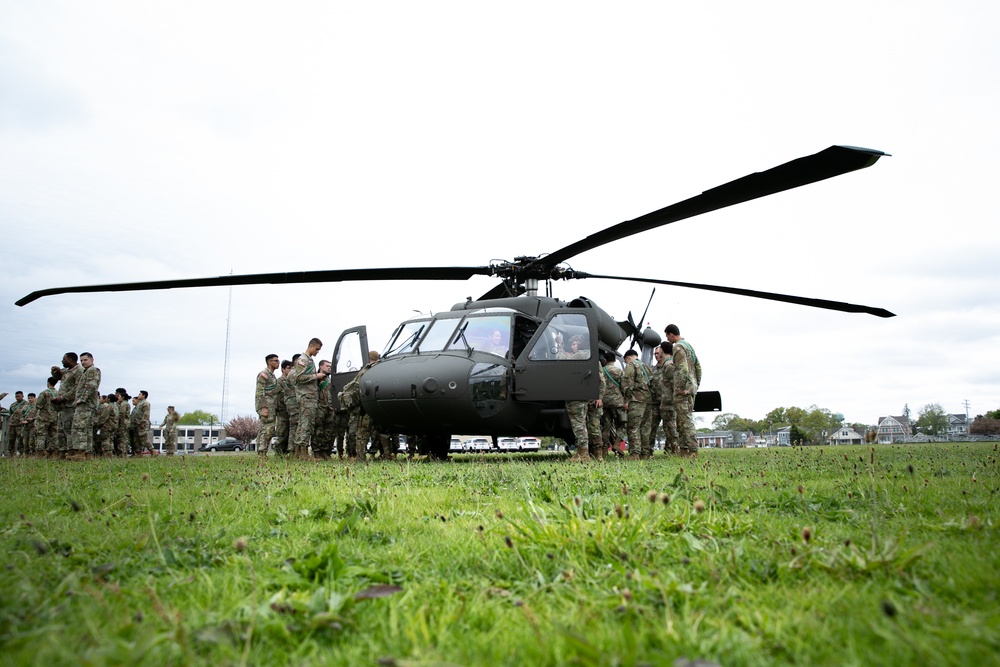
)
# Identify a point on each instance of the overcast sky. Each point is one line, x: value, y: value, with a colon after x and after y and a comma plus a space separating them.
x: 152, y: 141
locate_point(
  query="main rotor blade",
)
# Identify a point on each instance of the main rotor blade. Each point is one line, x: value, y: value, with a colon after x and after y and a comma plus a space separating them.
x: 332, y: 276
x: 833, y: 161
x: 770, y: 296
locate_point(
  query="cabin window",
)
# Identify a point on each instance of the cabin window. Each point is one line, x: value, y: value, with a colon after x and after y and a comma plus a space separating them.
x: 556, y: 341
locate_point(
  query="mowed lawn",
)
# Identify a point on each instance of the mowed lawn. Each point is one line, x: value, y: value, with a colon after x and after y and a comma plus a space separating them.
x: 884, y: 555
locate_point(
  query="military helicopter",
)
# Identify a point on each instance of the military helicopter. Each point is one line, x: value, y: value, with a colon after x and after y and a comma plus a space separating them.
x: 495, y: 365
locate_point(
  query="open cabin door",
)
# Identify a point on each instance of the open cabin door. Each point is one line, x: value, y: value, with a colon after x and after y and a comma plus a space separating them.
x: 547, y: 369
x: 350, y: 355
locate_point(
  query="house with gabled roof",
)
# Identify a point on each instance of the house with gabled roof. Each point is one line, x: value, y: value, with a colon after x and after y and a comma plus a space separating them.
x: 846, y: 436
x: 893, y: 429
x: 957, y: 425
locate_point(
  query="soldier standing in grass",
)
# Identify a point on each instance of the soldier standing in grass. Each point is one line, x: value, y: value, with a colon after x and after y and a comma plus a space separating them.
x: 170, y: 431
x: 27, y: 446
x: 281, y: 418
x: 45, y: 420
x: 359, y: 424
x: 85, y: 406
x: 305, y: 379
x: 139, y: 422
x: 667, y: 411
x: 577, y: 410
x: 69, y: 378
x: 106, y: 425
x: 635, y: 388
x: 613, y: 403
x: 266, y: 403
x: 123, y: 443
x: 14, y: 422
x: 687, y: 379
x: 322, y: 443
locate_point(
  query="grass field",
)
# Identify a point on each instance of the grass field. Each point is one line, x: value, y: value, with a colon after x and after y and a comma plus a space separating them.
x: 834, y: 555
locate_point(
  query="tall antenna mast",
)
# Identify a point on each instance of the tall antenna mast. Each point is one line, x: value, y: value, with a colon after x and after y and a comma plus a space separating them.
x: 225, y: 368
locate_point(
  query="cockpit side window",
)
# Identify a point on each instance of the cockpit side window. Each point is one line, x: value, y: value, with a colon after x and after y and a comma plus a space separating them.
x: 566, y: 336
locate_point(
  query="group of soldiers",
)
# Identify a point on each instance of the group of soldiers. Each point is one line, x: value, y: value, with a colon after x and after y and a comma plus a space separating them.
x: 297, y: 408
x: 70, y: 419
x: 635, y: 401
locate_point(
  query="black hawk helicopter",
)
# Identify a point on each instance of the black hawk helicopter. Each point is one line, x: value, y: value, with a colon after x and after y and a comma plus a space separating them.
x: 493, y: 365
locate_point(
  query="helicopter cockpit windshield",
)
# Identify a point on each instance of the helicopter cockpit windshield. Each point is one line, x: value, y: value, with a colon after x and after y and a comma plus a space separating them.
x: 484, y: 333
x: 406, y: 337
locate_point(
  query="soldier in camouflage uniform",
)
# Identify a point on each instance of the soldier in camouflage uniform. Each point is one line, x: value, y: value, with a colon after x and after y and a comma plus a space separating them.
x: 45, y: 421
x: 266, y: 403
x: 635, y: 389
x: 613, y: 403
x: 577, y: 410
x: 687, y: 379
x: 69, y: 378
x: 341, y: 424
x: 85, y: 404
x: 305, y: 379
x: 323, y: 436
x: 14, y: 422
x: 359, y: 428
x: 139, y: 424
x: 123, y: 443
x: 281, y: 418
x: 105, y: 425
x: 667, y: 412
x: 27, y: 446
x: 170, y: 431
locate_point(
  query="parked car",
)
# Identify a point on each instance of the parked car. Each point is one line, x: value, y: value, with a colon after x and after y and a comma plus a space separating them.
x: 529, y: 444
x: 456, y: 446
x: 508, y: 445
x: 224, y: 445
x: 478, y: 445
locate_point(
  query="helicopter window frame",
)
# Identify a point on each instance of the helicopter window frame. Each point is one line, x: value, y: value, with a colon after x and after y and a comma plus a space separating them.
x: 406, y: 336
x: 477, y: 331
x: 553, y: 341
x: 438, y: 335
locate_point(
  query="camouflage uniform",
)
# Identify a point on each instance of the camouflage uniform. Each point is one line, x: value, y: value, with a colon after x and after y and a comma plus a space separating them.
x: 577, y: 412
x: 667, y: 411
x: 292, y: 409
x: 170, y: 433
x: 84, y: 407
x: 341, y: 424
x: 281, y: 417
x: 46, y: 417
x: 687, y: 378
x: 656, y: 396
x: 14, y: 426
x: 358, y: 423
x: 595, y: 442
x: 304, y: 382
x: 323, y: 437
x: 123, y: 444
x: 26, y: 439
x: 69, y: 378
x: 613, y: 401
x: 105, y: 425
x: 266, y: 396
x: 139, y: 424
x: 635, y: 389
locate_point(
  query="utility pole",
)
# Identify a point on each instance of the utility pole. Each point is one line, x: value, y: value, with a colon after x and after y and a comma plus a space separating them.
x: 225, y: 367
